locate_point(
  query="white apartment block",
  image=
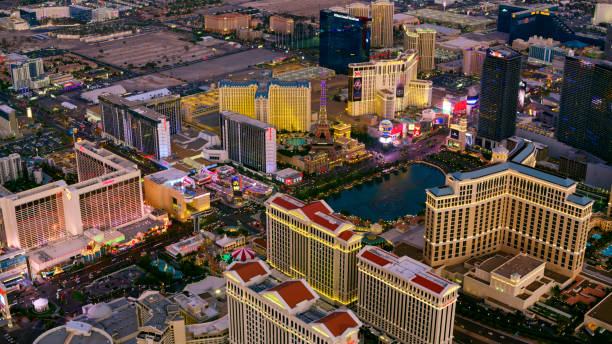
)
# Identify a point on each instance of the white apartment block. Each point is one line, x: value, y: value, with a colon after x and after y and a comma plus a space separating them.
x: 10, y: 168
x: 307, y: 241
x: 263, y: 310
x: 404, y: 298
x: 395, y: 77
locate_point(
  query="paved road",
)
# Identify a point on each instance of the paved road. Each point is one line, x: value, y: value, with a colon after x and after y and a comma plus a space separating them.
x: 590, y: 272
x: 485, y: 331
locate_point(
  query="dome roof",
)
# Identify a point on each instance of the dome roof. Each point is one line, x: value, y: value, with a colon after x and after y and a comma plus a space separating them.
x: 99, y: 311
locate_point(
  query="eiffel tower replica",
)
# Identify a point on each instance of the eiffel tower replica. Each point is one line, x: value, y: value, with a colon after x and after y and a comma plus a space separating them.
x: 322, y: 135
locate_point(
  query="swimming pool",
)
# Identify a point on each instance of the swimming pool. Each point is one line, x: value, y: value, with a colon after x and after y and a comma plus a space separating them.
x: 607, y: 251
x: 296, y: 141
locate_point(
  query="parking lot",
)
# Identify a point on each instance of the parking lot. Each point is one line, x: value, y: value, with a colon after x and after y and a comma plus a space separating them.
x: 122, y: 279
x: 163, y: 48
x: 223, y: 65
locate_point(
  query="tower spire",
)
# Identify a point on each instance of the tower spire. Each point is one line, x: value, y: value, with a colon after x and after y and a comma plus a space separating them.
x: 322, y: 135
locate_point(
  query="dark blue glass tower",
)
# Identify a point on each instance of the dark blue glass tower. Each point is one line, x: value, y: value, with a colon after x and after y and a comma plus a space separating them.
x: 585, y: 114
x: 501, y: 74
x: 343, y: 39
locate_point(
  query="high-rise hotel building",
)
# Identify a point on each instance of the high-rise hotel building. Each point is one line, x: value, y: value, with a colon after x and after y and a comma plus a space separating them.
x: 103, y: 201
x: 308, y: 241
x: 283, y: 104
x: 107, y: 195
x: 404, y: 298
x: 396, y: 77
x: 358, y: 9
x: 382, y: 24
x: 510, y: 207
x: 264, y: 310
x: 424, y: 42
x: 501, y: 75
x: 10, y: 168
x: 585, y: 114
x: 135, y: 125
x: 344, y: 39
x: 249, y: 142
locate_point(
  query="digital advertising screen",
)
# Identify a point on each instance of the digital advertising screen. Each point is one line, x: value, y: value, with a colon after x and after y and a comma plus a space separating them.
x: 357, y: 89
x: 454, y: 133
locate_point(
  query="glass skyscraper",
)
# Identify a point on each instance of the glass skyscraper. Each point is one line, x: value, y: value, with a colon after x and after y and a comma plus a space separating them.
x: 585, y: 116
x: 499, y: 94
x: 343, y: 39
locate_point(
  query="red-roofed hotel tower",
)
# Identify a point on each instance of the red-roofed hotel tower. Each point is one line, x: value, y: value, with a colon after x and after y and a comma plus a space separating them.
x: 308, y: 241
x: 404, y: 298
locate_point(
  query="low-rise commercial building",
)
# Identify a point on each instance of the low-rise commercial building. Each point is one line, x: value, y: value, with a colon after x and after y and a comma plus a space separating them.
x: 175, y: 192
x: 509, y: 283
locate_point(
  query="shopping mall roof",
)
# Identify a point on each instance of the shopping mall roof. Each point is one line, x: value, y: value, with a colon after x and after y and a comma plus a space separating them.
x: 602, y: 312
x: 408, y: 269
x: 160, y: 310
x: 171, y: 175
x: 210, y: 327
x: 460, y: 43
x: 75, y: 332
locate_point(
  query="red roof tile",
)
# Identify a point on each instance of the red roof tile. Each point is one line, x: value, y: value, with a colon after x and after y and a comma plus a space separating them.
x: 314, y: 211
x: 293, y: 292
x: 431, y: 285
x: 284, y: 203
x: 346, y: 235
x: 248, y: 270
x: 338, y: 322
x: 374, y: 258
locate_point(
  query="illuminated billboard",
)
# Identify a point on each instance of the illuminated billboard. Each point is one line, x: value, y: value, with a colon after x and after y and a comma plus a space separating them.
x: 460, y: 106
x: 385, y: 127
x: 454, y: 134
x: 469, y: 139
x: 357, y: 89
x: 439, y: 121
x: 417, y: 130
x: 446, y: 107
x: 236, y: 183
x: 399, y: 91
x: 472, y: 100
